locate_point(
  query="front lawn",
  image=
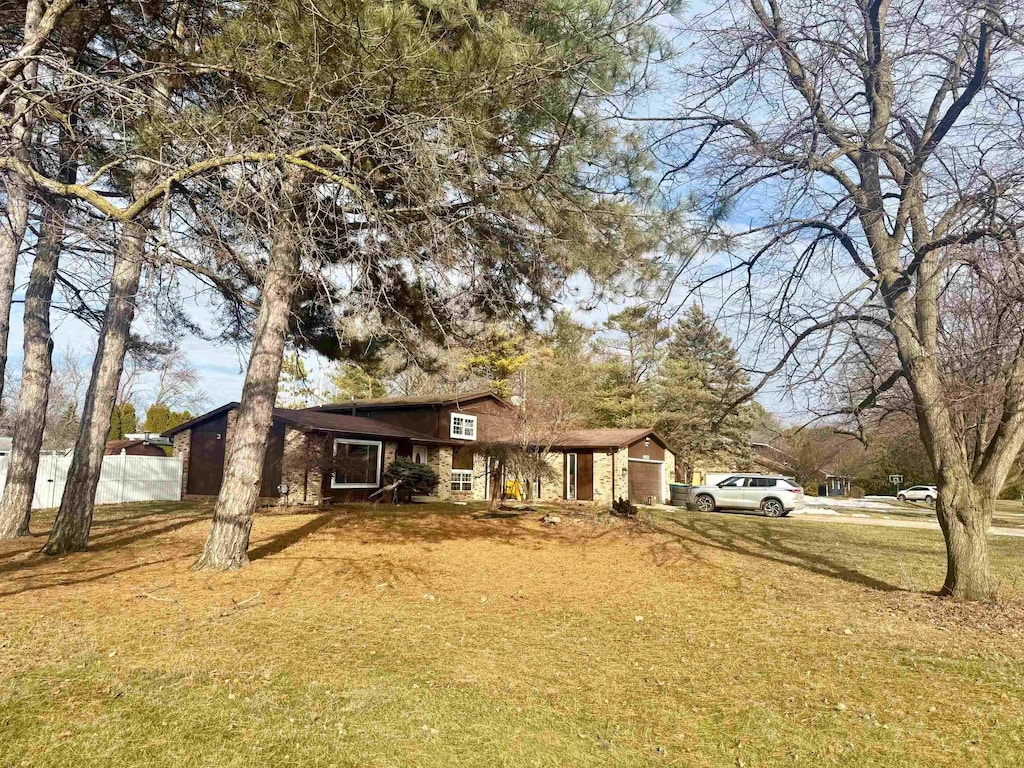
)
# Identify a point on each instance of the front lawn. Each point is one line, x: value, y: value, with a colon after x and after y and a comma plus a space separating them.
x: 440, y: 636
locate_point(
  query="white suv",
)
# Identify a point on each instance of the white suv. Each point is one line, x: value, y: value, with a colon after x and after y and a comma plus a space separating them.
x: 927, y: 493
x: 774, y: 495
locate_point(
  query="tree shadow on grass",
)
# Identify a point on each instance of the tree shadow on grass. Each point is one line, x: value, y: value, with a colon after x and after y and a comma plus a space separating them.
x: 286, y: 539
x: 764, y: 543
x: 108, y: 540
x: 29, y: 582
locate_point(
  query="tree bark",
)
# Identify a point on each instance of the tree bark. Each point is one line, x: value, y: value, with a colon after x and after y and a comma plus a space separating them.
x: 70, y: 532
x: 227, y: 544
x: 11, y: 237
x: 494, y: 480
x: 965, y: 529
x: 13, y: 234
x: 23, y: 462
x: 965, y: 505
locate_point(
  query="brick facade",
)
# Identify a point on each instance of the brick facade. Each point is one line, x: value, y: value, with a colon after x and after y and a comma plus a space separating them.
x: 552, y: 485
x: 440, y: 458
x: 299, y: 469
x: 480, y: 477
x: 182, y: 448
x: 622, y: 473
x: 670, y: 474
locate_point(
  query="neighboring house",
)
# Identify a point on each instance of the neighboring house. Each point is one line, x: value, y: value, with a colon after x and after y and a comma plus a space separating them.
x: 339, y: 452
x: 132, y: 448
x: 768, y: 459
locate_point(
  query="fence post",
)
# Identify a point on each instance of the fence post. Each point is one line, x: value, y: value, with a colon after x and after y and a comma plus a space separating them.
x: 124, y: 473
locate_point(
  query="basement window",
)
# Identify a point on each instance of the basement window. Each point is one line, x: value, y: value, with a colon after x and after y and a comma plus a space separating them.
x: 462, y: 480
x: 356, y: 464
x: 463, y: 426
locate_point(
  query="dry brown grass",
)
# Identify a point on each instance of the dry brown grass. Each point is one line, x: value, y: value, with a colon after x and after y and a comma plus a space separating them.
x: 438, y: 636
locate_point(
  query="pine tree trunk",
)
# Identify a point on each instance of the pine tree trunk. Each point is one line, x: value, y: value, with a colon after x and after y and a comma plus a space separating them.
x: 70, y: 532
x: 228, y: 542
x: 12, y: 232
x: 964, y: 515
x: 23, y: 462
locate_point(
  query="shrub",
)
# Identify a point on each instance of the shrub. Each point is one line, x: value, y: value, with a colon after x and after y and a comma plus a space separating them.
x: 856, y: 492
x: 1012, y: 492
x: 811, y: 489
x: 419, y: 478
x: 624, y: 508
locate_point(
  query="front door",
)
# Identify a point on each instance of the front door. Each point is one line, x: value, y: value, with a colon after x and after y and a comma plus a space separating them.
x: 585, y: 476
x: 206, y: 460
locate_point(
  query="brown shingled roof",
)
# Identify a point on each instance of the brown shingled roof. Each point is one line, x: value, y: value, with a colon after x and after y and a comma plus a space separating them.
x: 322, y: 421
x: 398, y: 402
x: 602, y: 438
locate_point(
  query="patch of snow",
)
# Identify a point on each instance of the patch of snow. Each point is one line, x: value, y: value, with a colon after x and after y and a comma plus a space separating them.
x: 814, y: 511
x: 848, y: 503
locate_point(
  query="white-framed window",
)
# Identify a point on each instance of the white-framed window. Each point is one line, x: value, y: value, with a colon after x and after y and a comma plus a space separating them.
x: 462, y: 479
x: 463, y: 426
x: 356, y: 463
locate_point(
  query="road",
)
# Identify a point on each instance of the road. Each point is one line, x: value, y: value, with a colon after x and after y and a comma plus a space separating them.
x: 891, y: 523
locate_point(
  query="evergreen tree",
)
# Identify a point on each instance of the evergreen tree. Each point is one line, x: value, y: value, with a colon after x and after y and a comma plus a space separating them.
x: 351, y: 381
x: 564, y: 376
x: 496, y: 357
x: 698, y: 381
x: 633, y: 347
x: 160, y: 418
x: 123, y: 421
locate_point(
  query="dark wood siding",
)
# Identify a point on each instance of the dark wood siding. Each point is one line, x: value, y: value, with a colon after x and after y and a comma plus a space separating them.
x: 644, y: 481
x: 493, y: 420
x: 206, y: 457
x: 417, y: 418
x: 585, y: 476
x: 271, y: 477
x: 653, y: 450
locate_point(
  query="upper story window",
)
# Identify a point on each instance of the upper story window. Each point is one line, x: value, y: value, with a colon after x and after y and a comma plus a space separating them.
x: 463, y: 426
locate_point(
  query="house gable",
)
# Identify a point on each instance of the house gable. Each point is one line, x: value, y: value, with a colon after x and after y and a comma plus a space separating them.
x: 433, y: 415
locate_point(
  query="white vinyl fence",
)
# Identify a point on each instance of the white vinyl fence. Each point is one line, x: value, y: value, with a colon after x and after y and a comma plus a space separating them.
x: 123, y: 478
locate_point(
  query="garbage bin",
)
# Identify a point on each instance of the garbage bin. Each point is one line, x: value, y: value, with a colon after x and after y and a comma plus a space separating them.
x: 678, y: 494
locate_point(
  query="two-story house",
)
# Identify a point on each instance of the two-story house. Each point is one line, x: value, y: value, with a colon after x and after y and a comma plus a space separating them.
x: 339, y: 452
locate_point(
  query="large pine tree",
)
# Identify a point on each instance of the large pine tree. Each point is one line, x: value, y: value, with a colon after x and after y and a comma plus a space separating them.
x: 698, y: 380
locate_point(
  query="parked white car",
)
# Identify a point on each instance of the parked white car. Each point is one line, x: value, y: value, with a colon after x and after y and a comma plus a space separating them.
x: 926, y: 493
x: 774, y: 495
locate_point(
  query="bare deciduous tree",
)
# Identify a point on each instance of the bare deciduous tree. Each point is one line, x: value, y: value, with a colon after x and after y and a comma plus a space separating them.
x: 867, y: 142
